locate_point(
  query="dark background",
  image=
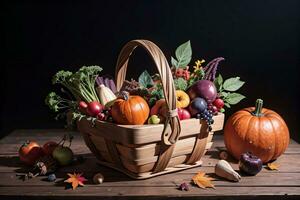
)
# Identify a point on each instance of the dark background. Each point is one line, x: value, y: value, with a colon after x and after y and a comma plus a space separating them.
x: 259, y: 39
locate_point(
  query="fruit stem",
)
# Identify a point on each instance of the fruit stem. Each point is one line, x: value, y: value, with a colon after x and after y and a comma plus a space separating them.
x: 124, y: 95
x: 258, y: 108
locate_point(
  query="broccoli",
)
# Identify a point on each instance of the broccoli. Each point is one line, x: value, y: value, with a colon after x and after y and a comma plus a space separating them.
x: 81, y: 83
x: 57, y: 103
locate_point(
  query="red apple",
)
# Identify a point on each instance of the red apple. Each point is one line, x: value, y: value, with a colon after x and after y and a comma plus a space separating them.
x: 183, y: 113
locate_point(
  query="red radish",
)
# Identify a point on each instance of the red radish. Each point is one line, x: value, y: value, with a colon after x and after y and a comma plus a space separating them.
x: 82, y: 107
x: 219, y: 103
x: 101, y: 116
x: 183, y: 114
x: 94, y: 108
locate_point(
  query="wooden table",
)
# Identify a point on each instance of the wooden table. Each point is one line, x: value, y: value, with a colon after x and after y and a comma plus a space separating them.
x: 282, y: 184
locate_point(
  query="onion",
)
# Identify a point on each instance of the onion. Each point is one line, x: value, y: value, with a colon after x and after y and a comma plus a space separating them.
x: 205, y: 89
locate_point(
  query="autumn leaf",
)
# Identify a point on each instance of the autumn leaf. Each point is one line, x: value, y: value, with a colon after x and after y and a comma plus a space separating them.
x: 272, y: 166
x: 203, y: 181
x: 75, y: 180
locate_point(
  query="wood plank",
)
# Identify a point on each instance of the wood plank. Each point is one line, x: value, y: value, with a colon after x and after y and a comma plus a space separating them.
x: 266, y: 184
x: 266, y: 179
x: 149, y: 192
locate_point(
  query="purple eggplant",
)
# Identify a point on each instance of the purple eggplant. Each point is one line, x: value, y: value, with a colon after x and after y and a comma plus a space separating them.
x: 250, y: 164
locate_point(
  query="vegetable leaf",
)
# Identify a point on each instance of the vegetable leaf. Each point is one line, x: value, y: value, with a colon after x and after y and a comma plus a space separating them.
x: 234, y: 98
x: 180, y: 84
x: 233, y: 84
x: 174, y: 62
x: 227, y: 104
x: 145, y: 79
x: 224, y: 94
x: 203, y: 181
x: 184, y: 54
x: 218, y: 82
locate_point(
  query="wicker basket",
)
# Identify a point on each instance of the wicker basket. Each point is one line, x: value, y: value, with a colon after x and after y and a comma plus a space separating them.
x: 144, y: 151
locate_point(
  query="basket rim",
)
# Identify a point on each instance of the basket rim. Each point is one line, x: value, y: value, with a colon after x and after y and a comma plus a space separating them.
x: 146, y: 126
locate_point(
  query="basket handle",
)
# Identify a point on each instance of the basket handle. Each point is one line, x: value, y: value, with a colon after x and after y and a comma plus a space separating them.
x: 166, y: 78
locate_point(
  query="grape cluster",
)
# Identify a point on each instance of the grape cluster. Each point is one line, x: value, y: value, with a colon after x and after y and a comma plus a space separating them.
x: 207, y: 115
x: 212, y: 108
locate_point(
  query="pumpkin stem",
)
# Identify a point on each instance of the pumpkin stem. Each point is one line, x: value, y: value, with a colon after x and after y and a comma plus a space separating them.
x: 258, y: 108
x: 124, y: 95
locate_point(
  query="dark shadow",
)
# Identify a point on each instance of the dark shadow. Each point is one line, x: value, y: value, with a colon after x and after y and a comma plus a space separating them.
x: 214, y: 153
x: 87, y: 165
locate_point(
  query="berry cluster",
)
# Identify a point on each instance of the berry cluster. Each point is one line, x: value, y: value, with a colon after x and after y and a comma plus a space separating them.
x: 214, y: 110
x: 206, y: 115
x: 216, y: 106
x: 182, y: 73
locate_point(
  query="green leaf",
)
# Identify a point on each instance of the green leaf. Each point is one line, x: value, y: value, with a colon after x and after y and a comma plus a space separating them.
x: 218, y: 82
x: 180, y: 84
x: 227, y: 104
x: 224, y: 94
x: 145, y: 79
x: 233, y: 84
x: 174, y: 62
x: 184, y: 54
x: 234, y: 98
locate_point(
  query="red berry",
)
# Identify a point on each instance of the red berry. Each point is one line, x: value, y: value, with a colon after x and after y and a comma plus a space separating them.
x: 214, y: 109
x: 101, y: 117
x: 179, y: 72
x: 219, y: 103
x: 186, y: 75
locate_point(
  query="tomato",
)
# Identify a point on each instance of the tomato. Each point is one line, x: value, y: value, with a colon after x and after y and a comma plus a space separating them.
x: 30, y: 152
x: 94, y: 108
x: 49, y: 147
x: 219, y: 103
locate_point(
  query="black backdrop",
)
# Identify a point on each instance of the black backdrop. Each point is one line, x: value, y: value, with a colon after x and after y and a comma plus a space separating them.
x: 259, y: 39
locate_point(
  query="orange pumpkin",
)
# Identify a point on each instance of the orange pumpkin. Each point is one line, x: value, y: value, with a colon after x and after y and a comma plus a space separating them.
x: 131, y: 110
x: 258, y: 130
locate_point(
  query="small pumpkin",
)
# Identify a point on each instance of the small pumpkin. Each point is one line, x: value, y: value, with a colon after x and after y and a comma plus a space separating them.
x: 131, y: 110
x: 258, y: 130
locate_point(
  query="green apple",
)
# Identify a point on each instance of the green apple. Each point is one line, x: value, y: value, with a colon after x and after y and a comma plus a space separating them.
x: 153, y: 119
x: 63, y: 155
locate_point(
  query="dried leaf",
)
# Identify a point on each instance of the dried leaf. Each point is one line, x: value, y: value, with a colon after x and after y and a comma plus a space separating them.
x: 203, y: 181
x: 272, y: 166
x: 75, y: 180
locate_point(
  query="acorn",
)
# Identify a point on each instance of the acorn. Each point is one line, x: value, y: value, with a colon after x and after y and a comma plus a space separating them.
x: 98, y: 178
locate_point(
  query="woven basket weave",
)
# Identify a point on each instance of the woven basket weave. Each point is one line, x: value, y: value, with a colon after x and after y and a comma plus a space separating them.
x: 144, y: 151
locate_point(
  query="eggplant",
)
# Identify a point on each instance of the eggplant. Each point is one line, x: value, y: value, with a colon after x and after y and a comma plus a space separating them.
x: 250, y: 164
